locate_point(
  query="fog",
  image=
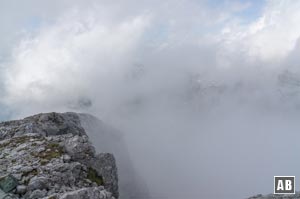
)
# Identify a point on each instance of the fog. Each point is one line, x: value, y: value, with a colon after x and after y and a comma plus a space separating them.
x: 206, y: 93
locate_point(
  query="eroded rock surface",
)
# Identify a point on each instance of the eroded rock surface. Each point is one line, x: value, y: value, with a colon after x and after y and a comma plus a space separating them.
x: 50, y: 156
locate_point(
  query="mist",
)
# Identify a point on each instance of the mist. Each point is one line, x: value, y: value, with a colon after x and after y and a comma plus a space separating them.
x: 206, y: 93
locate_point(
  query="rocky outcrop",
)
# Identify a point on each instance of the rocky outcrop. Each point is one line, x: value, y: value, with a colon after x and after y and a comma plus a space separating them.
x: 50, y: 156
x: 281, y: 196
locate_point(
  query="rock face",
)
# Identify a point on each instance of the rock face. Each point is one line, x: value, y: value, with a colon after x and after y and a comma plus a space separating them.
x: 50, y: 156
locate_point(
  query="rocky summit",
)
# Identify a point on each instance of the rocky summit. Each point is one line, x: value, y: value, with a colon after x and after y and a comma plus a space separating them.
x: 50, y: 156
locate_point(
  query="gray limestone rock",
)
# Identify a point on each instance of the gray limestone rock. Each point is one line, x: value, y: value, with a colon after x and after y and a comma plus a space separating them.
x: 37, y: 194
x: 21, y: 189
x: 50, y: 156
x: 36, y: 183
x: 88, y: 193
x: 46, y: 124
x: 105, y: 165
x: 281, y: 196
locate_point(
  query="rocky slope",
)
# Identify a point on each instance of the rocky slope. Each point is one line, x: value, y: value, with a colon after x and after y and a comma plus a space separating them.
x: 50, y: 156
x: 272, y: 196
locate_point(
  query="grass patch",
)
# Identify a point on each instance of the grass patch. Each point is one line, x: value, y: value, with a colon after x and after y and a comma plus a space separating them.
x: 52, y: 150
x: 16, y: 141
x: 4, y: 145
x: 94, y: 177
x: 34, y: 172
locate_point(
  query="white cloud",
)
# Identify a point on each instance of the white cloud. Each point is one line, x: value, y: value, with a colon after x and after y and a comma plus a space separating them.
x: 271, y: 37
x: 63, y: 61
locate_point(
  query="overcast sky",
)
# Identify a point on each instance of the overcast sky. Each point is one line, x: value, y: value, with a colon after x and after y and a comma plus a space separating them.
x: 214, y: 84
x: 83, y: 43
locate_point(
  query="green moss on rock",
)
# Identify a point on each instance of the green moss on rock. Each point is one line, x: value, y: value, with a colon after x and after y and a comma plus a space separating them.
x: 94, y: 177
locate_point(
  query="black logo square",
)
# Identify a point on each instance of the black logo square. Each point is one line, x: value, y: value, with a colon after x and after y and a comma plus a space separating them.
x: 284, y: 184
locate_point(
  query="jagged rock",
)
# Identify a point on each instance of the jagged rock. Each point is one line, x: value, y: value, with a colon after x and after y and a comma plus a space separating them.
x: 45, y: 124
x: 105, y: 165
x: 79, y: 148
x: 50, y: 156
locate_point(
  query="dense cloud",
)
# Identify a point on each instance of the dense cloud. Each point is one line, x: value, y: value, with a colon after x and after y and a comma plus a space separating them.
x: 204, y: 91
